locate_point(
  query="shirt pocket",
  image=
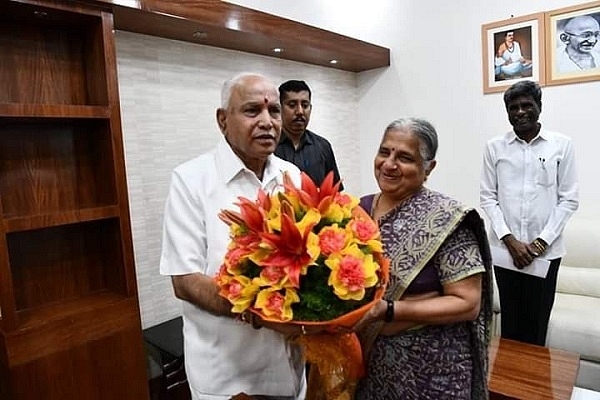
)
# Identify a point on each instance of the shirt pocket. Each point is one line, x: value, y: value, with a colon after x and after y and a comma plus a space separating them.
x: 546, y: 175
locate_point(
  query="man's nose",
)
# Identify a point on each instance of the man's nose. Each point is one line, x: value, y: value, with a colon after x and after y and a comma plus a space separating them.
x: 265, y: 120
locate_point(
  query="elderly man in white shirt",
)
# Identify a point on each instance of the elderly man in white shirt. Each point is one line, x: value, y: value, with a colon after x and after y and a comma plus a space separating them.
x: 223, y: 355
x: 529, y: 191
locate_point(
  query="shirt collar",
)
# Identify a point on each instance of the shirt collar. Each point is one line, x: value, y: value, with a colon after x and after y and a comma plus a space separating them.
x: 512, y: 136
x: 230, y: 165
x: 305, y: 138
x: 542, y: 135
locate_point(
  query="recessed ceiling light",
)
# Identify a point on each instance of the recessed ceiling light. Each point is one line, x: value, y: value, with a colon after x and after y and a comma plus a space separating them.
x: 233, y: 22
x: 277, y: 50
x: 333, y: 62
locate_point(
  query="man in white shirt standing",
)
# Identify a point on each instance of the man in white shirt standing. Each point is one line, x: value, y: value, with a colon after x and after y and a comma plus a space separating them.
x: 224, y: 355
x: 528, y: 191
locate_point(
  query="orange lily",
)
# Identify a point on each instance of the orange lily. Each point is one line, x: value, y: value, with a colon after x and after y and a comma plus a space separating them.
x: 251, y: 214
x: 292, y: 249
x: 311, y: 195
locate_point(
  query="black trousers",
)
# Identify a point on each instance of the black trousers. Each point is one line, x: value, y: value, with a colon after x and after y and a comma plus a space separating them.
x: 525, y: 303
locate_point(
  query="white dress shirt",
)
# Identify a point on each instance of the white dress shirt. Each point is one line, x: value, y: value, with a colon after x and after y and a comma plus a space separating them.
x: 529, y: 189
x: 223, y: 356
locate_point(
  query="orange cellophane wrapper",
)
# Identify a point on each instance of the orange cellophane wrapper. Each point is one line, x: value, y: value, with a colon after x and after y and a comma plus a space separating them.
x: 335, y: 355
x: 336, y: 365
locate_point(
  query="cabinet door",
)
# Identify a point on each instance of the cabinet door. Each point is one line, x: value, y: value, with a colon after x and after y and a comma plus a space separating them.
x: 107, y: 367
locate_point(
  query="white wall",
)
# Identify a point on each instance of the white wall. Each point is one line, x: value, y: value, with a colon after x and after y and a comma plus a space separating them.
x: 436, y: 73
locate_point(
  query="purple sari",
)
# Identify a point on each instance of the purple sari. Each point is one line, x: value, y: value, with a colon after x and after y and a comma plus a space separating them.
x: 429, y: 235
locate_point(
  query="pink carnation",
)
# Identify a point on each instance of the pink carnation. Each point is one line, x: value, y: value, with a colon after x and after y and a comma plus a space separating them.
x: 235, y: 289
x: 331, y: 241
x: 272, y: 274
x: 351, y: 273
x: 364, y: 230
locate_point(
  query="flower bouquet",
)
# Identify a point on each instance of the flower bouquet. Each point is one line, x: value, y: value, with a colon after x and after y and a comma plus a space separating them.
x: 308, y: 256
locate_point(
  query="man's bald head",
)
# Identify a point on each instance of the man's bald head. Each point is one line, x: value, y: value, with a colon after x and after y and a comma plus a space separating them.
x: 583, y: 23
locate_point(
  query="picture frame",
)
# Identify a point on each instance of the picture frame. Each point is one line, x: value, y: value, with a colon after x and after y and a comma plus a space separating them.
x: 571, y: 57
x: 513, y: 50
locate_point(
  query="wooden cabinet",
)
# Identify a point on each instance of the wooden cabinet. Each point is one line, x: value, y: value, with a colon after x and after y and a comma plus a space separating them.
x: 70, y: 325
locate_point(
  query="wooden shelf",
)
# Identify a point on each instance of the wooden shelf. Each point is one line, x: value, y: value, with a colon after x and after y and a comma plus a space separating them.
x: 51, y: 56
x: 66, y: 262
x: 30, y: 319
x: 64, y: 218
x: 53, y: 111
x: 54, y: 165
x: 234, y: 27
x: 70, y: 326
x: 56, y: 328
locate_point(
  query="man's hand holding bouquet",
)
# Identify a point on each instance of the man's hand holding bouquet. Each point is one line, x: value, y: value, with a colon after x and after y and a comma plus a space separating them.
x: 307, y: 262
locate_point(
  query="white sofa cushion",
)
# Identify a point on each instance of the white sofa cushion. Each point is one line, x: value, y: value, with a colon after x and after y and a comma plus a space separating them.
x: 582, y: 238
x: 579, y: 280
x: 573, y: 326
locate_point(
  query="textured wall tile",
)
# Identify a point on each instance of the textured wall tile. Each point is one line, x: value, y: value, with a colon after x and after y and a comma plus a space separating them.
x: 169, y: 93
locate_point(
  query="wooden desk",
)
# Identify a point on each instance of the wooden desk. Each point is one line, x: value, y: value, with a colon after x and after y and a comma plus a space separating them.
x: 523, y: 371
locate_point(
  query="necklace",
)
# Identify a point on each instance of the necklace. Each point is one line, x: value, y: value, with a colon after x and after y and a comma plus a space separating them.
x: 381, y: 210
x: 511, y: 48
x: 376, y: 203
x: 376, y: 212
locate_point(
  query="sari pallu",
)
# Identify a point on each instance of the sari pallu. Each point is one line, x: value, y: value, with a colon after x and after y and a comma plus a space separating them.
x: 412, y: 235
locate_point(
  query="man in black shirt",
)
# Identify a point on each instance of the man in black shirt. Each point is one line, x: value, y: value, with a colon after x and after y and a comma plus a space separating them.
x: 310, y: 152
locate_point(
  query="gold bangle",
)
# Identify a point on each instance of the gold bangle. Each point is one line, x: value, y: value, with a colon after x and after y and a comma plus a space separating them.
x: 540, y: 246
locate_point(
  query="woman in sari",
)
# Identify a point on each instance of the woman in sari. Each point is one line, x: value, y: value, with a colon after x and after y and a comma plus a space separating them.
x: 428, y: 338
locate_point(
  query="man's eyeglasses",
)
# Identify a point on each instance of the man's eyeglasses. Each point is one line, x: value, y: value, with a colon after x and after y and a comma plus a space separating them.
x: 586, y: 34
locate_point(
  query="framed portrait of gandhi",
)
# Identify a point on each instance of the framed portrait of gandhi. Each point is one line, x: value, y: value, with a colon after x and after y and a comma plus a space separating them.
x: 573, y: 44
x: 513, y: 50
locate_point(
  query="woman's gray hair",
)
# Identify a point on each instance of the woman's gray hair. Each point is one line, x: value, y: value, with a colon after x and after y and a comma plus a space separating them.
x: 423, y: 130
x: 229, y: 84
